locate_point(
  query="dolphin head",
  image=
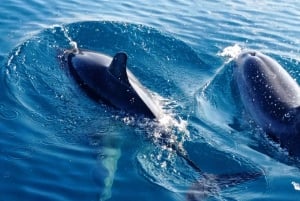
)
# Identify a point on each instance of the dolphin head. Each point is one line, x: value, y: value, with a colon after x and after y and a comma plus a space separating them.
x: 271, y: 96
x: 255, y: 62
x: 246, y: 55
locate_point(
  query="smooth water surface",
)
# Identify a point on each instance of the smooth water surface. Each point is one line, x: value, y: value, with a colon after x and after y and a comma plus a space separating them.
x: 56, y: 142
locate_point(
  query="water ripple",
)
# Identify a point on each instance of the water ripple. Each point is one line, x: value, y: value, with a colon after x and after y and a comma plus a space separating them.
x: 8, y: 114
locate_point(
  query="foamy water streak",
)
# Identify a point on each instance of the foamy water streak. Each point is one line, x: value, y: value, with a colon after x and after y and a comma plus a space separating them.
x: 66, y: 33
x: 16, y: 53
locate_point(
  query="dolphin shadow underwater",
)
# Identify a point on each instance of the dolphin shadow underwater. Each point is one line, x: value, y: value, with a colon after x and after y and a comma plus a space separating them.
x: 107, y: 79
x: 271, y: 97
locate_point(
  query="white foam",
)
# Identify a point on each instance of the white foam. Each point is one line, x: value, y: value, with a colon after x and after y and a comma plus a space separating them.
x: 296, y: 186
x: 231, y: 52
x: 17, y: 52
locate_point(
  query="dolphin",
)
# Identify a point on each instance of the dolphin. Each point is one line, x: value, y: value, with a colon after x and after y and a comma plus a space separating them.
x: 107, y: 79
x: 271, y: 96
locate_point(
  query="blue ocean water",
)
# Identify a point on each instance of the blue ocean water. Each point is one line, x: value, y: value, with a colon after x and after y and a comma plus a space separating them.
x: 55, y: 140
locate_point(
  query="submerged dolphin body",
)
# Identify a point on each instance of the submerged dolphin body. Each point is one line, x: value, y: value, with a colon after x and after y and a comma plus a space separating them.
x: 210, y: 184
x: 107, y: 79
x: 106, y: 167
x: 271, y: 96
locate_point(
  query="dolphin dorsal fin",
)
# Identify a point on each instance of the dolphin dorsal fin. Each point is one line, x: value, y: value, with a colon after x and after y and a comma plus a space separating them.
x: 118, y: 67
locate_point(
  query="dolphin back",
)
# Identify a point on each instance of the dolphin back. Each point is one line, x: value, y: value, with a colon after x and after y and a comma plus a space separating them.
x: 104, y: 78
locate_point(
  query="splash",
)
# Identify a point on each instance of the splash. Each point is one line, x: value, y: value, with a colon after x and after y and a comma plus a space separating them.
x: 169, y: 129
x: 74, y: 46
x: 165, y: 161
x: 296, y: 186
x: 231, y: 52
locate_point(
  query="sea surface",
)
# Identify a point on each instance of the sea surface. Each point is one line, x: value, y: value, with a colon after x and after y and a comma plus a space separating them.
x: 57, y: 144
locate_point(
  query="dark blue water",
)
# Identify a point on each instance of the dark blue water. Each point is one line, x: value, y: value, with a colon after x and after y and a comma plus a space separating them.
x: 55, y: 142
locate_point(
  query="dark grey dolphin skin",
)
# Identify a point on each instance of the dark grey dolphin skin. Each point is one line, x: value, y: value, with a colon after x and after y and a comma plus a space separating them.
x: 271, y: 96
x: 107, y: 79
